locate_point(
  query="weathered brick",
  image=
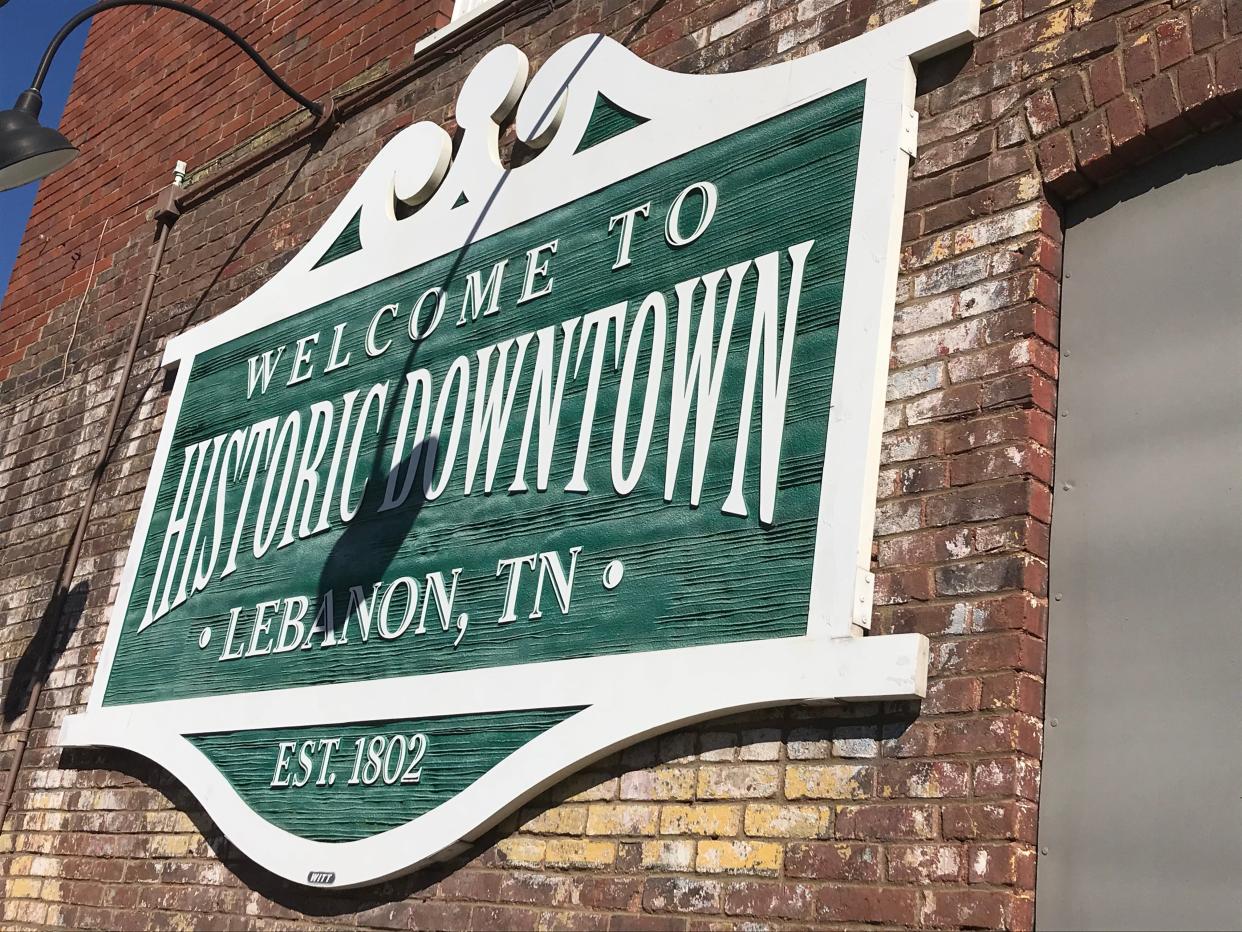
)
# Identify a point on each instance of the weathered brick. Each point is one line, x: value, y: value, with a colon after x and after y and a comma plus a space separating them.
x: 893, y: 906
x: 829, y: 781
x: 767, y: 900
x: 926, y: 864
x: 979, y: 909
x: 923, y: 779
x: 675, y: 855
x: 710, y: 819
x: 990, y: 821
x: 738, y: 857
x: 682, y: 894
x: 737, y: 782
x: 1002, y: 864
x: 844, y: 861
x: 622, y: 819
x: 579, y: 852
x: 886, y: 821
x: 767, y: 820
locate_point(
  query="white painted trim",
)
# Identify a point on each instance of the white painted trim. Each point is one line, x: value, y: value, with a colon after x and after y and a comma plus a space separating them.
x: 628, y: 696
x: 433, y: 39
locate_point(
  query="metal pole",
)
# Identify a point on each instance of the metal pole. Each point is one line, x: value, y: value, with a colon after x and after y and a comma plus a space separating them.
x: 165, y: 217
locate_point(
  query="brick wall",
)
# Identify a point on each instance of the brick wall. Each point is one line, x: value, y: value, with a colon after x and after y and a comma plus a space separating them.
x: 903, y: 814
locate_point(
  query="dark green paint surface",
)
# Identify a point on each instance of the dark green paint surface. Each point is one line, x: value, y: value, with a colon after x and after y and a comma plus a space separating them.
x: 349, y: 241
x: 607, y: 121
x: 459, y: 750
x: 693, y: 576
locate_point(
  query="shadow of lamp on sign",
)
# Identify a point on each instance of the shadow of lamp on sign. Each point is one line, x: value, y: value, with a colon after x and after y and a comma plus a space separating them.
x: 30, y: 151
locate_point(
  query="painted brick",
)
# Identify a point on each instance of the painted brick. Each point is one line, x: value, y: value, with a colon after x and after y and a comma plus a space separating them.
x: 663, y: 783
x: 925, y: 864
x: 828, y: 781
x: 769, y: 900
x: 713, y: 819
x: 738, y: 857
x: 668, y: 855
x: 764, y: 820
x: 848, y: 862
x: 737, y: 782
x: 622, y: 819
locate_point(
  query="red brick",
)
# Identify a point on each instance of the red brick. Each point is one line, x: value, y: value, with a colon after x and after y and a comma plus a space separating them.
x: 1198, y: 92
x: 882, y: 822
x: 923, y: 779
x: 886, y: 905
x: 1010, y: 691
x: 970, y: 909
x: 1207, y: 24
x: 926, y: 864
x: 1127, y: 129
x: 1172, y: 42
x: 682, y: 894
x: 1163, y: 111
x: 990, y: 821
x: 1071, y: 99
x: 1042, y: 113
x: 1056, y: 159
x: 1140, y: 59
x: 769, y: 900
x: 955, y: 694
x: 1002, y: 865
x: 1105, y: 78
x: 852, y: 863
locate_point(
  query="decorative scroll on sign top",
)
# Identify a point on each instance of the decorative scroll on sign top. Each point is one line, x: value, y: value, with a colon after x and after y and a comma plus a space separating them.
x: 508, y: 468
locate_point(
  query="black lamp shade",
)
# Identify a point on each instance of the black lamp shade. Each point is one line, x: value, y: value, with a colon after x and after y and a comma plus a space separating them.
x: 29, y: 150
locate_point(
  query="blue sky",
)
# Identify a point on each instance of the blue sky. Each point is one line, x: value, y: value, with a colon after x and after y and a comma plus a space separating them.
x: 26, y: 27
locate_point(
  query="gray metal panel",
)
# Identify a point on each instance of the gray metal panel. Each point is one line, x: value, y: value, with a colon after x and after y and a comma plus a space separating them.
x: 1141, y: 806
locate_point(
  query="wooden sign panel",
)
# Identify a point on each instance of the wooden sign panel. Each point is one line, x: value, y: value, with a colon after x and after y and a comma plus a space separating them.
x: 508, y: 468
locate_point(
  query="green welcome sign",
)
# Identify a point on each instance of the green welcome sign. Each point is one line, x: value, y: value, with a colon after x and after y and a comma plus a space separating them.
x: 509, y: 467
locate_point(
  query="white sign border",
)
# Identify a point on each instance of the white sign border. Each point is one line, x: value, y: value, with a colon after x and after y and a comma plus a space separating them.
x: 626, y: 696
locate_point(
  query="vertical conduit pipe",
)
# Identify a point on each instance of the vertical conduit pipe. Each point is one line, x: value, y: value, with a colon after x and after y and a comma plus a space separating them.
x: 165, y: 216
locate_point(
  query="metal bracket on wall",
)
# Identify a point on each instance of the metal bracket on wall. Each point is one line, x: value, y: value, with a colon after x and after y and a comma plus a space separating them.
x: 909, y: 143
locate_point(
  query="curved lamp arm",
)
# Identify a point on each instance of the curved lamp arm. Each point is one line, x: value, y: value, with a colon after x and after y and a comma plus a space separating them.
x: 81, y: 17
x: 29, y: 150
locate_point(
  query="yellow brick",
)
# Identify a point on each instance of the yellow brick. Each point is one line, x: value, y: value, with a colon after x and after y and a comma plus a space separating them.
x: 23, y: 888
x: 668, y: 855
x: 45, y: 800
x: 623, y: 819
x: 828, y: 781
x: 171, y: 846
x: 21, y: 865
x: 665, y: 783
x: 28, y: 911
x: 522, y: 850
x: 738, y: 857
x: 753, y: 782
x: 42, y: 866
x: 168, y: 820
x: 590, y: 787
x: 700, y: 820
x: 772, y: 821
x: 563, y: 820
x: 579, y: 852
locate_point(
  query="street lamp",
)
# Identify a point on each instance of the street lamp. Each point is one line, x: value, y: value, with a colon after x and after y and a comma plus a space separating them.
x: 30, y: 150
